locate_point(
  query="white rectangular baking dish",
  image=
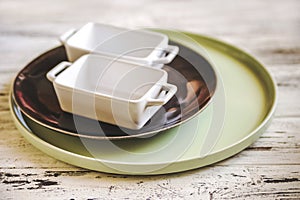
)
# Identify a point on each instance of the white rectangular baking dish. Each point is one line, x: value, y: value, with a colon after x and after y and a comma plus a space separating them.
x: 141, y: 46
x: 114, y: 91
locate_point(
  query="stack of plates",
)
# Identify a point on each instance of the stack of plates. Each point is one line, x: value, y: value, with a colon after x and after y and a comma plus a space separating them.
x: 225, y: 100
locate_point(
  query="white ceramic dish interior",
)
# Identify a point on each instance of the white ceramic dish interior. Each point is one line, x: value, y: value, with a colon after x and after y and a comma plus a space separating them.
x: 141, y: 46
x: 114, y: 91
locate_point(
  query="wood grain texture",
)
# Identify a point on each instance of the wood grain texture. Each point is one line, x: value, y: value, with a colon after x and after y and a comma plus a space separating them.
x: 268, y: 169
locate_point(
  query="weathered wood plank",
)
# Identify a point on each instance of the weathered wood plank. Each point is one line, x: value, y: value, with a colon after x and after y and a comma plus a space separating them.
x: 288, y: 86
x: 16, y: 52
x: 243, y: 182
x: 278, y: 145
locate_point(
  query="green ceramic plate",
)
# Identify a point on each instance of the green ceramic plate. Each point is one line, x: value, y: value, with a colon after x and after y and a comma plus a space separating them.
x: 241, y: 110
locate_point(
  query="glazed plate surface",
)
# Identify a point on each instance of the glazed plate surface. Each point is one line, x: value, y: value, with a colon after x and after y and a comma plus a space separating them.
x: 193, y: 75
x: 241, y: 109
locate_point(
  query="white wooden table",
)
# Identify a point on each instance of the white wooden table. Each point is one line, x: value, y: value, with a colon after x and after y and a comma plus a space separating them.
x: 268, y: 169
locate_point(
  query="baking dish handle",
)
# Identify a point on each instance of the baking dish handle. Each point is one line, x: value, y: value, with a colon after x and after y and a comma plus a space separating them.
x: 170, y: 89
x: 52, y: 74
x: 64, y: 37
x: 172, y: 52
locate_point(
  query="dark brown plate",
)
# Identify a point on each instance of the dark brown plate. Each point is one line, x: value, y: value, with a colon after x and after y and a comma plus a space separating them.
x: 35, y: 96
